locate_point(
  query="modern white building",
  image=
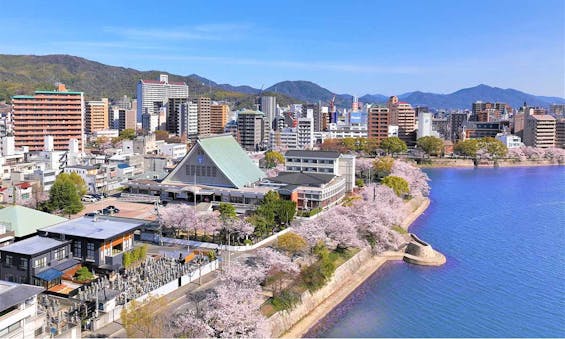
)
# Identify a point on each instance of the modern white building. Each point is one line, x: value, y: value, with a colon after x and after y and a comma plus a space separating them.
x: 305, y: 130
x: 286, y: 137
x: 19, y: 316
x: 341, y: 130
x: 392, y: 131
x: 106, y: 133
x: 424, y: 125
x: 328, y: 162
x: 269, y: 107
x: 154, y: 94
x: 173, y: 151
x: 510, y: 140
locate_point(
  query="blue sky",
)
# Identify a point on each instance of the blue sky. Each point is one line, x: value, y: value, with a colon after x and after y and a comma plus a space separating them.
x: 356, y: 47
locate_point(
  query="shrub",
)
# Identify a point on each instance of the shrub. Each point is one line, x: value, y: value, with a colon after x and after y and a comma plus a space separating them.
x: 286, y: 300
x: 83, y: 274
x: 312, y: 277
x: 359, y: 182
x: 291, y: 243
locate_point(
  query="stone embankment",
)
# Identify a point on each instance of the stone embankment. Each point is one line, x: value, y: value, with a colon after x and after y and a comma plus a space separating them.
x: 349, y: 276
x: 421, y: 253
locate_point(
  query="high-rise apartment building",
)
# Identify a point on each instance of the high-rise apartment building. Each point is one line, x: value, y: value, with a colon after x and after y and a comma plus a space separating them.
x: 251, y: 129
x: 269, y: 107
x: 539, y: 131
x: 203, y: 107
x: 96, y: 116
x: 58, y: 113
x: 456, y: 122
x: 560, y: 133
x: 174, y: 115
x: 127, y: 119
x: 305, y: 133
x: 218, y: 118
x: 152, y: 95
x: 313, y: 111
x: 403, y: 115
x: 378, y: 120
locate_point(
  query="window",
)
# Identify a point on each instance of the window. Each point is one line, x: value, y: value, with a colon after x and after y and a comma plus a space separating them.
x: 90, y: 250
x: 41, y: 262
x: 60, y: 253
x: 8, y: 261
x: 77, y: 248
x: 23, y: 264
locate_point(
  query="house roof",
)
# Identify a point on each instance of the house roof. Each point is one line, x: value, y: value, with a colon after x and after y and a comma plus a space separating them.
x: 101, y: 228
x: 33, y: 245
x: 26, y: 221
x: 230, y: 159
x: 12, y: 294
x: 49, y: 274
x: 303, y: 179
x: 312, y: 154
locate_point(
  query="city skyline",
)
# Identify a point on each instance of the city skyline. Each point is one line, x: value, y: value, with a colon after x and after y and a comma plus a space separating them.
x: 359, y: 48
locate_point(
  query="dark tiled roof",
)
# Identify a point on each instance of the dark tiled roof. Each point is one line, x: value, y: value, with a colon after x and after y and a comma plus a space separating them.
x: 303, y: 179
x: 33, y: 245
x: 312, y: 154
x: 12, y: 294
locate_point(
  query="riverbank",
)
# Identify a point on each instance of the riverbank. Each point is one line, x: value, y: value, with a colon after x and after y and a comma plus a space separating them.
x: 365, y: 270
x: 469, y: 163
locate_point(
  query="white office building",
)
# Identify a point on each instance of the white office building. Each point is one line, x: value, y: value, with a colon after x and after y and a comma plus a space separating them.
x: 424, y: 125
x: 154, y: 94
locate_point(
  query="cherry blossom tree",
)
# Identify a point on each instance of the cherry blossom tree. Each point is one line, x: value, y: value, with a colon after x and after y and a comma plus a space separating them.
x: 177, y: 217
x: 230, y: 310
x: 417, y: 180
x: 190, y: 324
x: 555, y: 153
x: 242, y: 275
x: 273, y: 172
x: 273, y: 262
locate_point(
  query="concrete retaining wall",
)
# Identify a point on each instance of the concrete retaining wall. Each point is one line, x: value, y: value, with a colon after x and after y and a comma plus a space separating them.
x: 207, y: 245
x: 282, y: 321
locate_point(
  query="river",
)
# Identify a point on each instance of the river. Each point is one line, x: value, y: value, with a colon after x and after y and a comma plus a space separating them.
x: 503, y: 233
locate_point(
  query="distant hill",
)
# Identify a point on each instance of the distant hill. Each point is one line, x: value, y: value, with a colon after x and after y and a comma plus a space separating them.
x: 465, y: 97
x: 23, y: 74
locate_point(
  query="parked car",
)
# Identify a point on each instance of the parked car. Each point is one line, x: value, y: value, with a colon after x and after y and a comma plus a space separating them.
x: 88, y: 198
x: 92, y: 214
x: 113, y: 208
x: 98, y: 196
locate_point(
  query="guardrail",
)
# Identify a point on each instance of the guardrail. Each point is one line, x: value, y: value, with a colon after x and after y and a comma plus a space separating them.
x: 133, y: 197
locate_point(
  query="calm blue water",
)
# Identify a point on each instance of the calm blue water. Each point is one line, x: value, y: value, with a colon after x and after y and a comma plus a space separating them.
x: 503, y: 232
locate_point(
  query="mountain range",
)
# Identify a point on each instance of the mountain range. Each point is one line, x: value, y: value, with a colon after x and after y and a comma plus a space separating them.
x: 23, y: 74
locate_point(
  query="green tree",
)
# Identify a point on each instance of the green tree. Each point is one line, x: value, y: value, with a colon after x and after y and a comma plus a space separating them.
x: 383, y: 166
x: 227, y: 211
x: 371, y: 146
x: 273, y: 158
x: 65, y: 194
x: 399, y: 185
x: 494, y: 147
x: 128, y: 133
x: 291, y: 243
x: 393, y: 145
x: 468, y: 147
x: 83, y: 274
x: 145, y: 320
x: 431, y: 145
x: 285, y: 211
